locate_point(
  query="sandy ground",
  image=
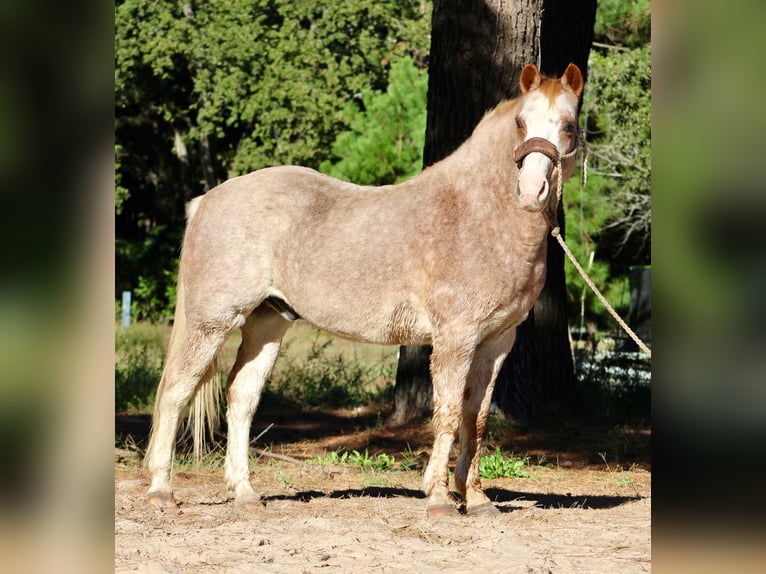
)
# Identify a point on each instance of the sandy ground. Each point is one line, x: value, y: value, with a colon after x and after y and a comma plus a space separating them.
x: 563, y: 518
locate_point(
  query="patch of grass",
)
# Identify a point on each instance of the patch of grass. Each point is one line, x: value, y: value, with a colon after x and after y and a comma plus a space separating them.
x: 410, y: 461
x: 365, y: 461
x: 501, y: 430
x: 498, y: 465
x: 333, y: 458
x: 212, y: 458
x: 138, y: 364
x: 324, y: 379
x: 624, y: 479
x: 379, y: 480
x: 326, y: 374
x: 285, y: 481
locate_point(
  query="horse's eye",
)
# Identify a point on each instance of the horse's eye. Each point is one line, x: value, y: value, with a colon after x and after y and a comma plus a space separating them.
x: 570, y: 127
x: 520, y: 123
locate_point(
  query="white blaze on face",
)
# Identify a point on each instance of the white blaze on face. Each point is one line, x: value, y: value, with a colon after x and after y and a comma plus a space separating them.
x: 551, y: 118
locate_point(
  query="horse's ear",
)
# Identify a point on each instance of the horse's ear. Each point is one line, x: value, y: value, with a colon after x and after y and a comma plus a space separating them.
x: 530, y: 78
x: 572, y: 79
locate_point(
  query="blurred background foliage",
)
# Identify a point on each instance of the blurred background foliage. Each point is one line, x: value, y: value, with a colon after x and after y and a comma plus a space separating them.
x: 209, y: 90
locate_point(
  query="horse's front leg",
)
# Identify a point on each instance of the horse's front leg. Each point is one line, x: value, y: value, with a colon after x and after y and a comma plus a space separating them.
x: 478, y: 398
x: 450, y: 364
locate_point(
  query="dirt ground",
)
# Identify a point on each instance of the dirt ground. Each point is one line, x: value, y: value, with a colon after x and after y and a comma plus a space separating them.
x: 575, y: 513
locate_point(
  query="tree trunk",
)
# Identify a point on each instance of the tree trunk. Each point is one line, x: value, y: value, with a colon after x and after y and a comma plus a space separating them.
x: 478, y: 49
x: 537, y: 379
x: 412, y: 393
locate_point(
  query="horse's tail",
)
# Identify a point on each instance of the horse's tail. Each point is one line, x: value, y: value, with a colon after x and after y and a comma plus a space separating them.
x: 204, y: 409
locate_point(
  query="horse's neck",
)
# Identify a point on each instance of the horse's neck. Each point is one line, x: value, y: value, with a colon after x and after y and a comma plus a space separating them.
x: 482, y: 171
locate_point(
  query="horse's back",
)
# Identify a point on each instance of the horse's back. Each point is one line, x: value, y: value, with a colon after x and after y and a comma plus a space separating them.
x: 343, y: 256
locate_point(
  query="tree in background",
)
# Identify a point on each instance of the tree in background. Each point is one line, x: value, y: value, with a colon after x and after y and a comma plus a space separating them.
x: 477, y: 52
x: 208, y: 90
x: 384, y: 142
x: 609, y: 223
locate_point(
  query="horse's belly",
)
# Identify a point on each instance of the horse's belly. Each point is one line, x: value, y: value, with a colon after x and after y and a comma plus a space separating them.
x: 398, y: 324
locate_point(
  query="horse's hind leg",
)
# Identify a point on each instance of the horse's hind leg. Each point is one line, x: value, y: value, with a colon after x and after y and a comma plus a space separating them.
x: 189, y: 358
x: 261, y: 338
x: 478, y: 397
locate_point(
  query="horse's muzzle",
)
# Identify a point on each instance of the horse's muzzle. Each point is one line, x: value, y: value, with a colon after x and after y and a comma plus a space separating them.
x: 533, y: 188
x: 533, y: 201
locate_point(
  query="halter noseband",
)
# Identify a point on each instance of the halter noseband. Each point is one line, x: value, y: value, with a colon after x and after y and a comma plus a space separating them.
x: 545, y: 147
x: 539, y: 145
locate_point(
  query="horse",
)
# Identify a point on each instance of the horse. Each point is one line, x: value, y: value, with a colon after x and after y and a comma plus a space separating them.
x: 454, y: 257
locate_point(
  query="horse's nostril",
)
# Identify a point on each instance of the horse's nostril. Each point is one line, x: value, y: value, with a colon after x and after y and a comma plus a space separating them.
x: 543, y: 189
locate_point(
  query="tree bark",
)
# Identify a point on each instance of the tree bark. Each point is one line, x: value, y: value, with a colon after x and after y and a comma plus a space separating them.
x: 537, y: 379
x: 478, y: 49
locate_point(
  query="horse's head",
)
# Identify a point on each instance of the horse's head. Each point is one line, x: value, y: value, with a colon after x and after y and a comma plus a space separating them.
x: 546, y: 121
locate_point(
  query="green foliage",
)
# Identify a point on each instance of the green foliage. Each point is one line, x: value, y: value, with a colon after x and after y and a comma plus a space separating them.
x: 410, y: 460
x: 364, y: 461
x: 498, y: 465
x: 384, y: 143
x: 138, y: 366
x: 153, y: 265
x: 620, y: 111
x: 624, y: 22
x: 587, y: 211
x: 208, y: 90
x: 381, y: 462
x: 608, y: 225
x: 322, y: 379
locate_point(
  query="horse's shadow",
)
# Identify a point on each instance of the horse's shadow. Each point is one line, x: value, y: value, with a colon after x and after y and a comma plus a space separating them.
x: 501, y: 497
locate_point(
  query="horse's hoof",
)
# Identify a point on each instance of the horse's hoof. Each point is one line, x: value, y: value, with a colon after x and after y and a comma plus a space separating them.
x: 441, y: 510
x: 162, y: 499
x: 252, y: 501
x: 484, y: 510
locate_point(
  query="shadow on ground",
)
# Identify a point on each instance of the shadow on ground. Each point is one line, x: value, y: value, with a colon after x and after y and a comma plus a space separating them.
x: 497, y: 495
x: 578, y: 443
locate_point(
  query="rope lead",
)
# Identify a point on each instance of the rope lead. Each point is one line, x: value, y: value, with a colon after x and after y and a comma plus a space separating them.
x: 556, y: 232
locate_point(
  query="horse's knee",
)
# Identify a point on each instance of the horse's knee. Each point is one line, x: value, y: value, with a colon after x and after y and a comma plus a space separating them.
x: 446, y: 419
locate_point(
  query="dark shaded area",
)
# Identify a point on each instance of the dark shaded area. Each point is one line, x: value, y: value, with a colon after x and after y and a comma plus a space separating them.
x: 575, y: 442
x: 556, y: 501
x: 497, y: 495
x: 640, y: 310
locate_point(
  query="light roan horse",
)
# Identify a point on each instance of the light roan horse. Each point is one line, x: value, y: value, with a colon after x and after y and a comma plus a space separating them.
x: 454, y: 257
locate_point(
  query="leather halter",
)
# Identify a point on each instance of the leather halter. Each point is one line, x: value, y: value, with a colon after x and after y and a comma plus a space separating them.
x: 539, y: 145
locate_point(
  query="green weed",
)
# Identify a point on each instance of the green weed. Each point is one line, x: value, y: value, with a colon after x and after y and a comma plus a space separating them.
x: 381, y: 462
x: 498, y: 465
x: 624, y: 479
x: 333, y: 458
x: 366, y: 462
x: 410, y: 461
